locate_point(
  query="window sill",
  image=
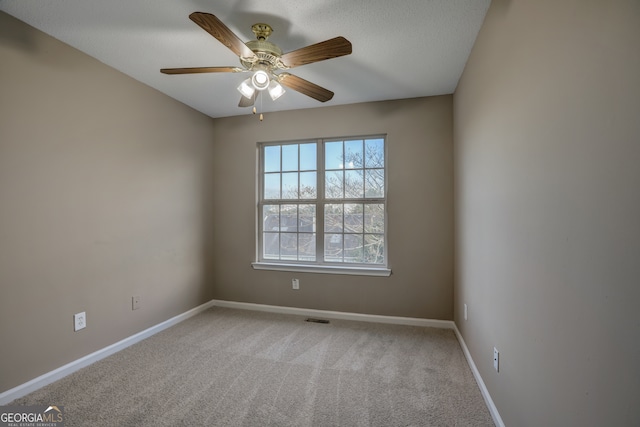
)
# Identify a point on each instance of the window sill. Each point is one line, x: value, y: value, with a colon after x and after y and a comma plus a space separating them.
x: 323, y: 269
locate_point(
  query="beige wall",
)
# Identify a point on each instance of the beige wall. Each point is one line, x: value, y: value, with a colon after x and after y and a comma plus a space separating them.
x: 420, y: 210
x: 547, y: 179
x: 104, y: 193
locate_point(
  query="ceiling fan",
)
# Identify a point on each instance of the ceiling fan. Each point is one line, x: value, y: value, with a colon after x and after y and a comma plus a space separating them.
x: 266, y: 61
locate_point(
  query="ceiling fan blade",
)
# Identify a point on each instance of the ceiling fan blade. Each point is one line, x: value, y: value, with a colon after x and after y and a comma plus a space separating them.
x: 327, y: 49
x: 217, y: 29
x: 201, y: 70
x: 247, y: 102
x: 305, y: 87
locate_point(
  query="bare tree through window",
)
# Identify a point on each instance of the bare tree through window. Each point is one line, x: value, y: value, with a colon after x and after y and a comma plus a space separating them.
x: 341, y: 180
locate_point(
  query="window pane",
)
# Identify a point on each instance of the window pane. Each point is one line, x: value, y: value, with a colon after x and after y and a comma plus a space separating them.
x: 307, y: 218
x: 308, y: 160
x: 271, y: 245
x: 354, y: 184
x: 333, y: 186
x: 374, y: 183
x: 289, y: 246
x: 289, y: 218
x: 333, y: 247
x: 353, y: 218
x: 333, y: 218
x: 353, y: 251
x: 290, y: 157
x: 307, y: 247
x: 333, y: 156
x: 374, y: 248
x: 352, y: 231
x: 290, y: 185
x: 353, y: 153
x: 272, y: 158
x: 270, y: 218
x: 272, y: 186
x: 308, y: 185
x: 374, y: 218
x: 374, y: 153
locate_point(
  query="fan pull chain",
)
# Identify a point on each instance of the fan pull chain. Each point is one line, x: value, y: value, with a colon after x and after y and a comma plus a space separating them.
x: 261, y: 109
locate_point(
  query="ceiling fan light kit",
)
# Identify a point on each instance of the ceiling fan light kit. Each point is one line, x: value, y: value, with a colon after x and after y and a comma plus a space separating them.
x: 246, y: 89
x: 275, y: 90
x: 260, y: 80
x: 266, y: 61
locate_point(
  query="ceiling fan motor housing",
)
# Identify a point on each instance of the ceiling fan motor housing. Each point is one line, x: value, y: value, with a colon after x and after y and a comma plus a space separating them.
x: 268, y: 54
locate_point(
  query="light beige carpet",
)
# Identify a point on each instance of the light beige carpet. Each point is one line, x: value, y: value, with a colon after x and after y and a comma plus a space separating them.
x: 227, y: 367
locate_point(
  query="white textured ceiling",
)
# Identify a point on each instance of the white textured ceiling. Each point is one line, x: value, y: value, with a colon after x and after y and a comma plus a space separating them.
x: 401, y: 49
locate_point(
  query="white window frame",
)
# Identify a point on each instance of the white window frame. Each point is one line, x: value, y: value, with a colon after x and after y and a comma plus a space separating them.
x: 319, y: 265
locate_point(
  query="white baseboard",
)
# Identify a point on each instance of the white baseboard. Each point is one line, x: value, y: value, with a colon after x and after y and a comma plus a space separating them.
x: 87, y: 360
x: 69, y: 368
x: 341, y: 315
x: 483, y: 388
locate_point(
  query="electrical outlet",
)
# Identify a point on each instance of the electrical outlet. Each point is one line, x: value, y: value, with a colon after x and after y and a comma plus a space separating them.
x: 496, y: 359
x: 135, y: 302
x: 465, y: 312
x: 295, y: 284
x: 79, y: 321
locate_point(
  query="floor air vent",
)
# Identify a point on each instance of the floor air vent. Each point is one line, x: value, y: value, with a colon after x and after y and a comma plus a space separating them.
x: 311, y: 319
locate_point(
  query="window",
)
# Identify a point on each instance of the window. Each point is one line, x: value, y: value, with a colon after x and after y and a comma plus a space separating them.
x: 321, y: 204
